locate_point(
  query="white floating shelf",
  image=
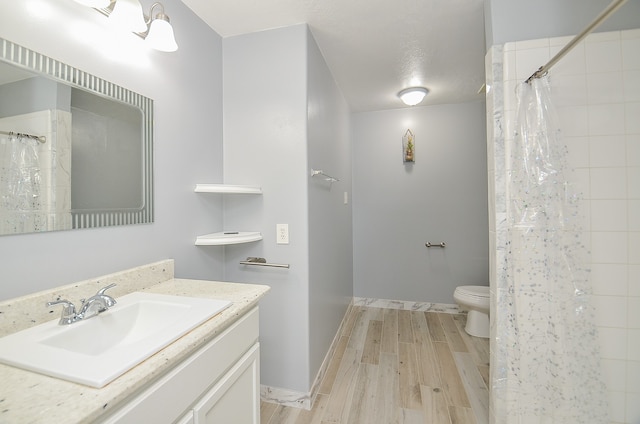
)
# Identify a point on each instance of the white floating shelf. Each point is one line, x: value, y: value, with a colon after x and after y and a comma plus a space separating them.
x: 227, y: 189
x: 228, y: 237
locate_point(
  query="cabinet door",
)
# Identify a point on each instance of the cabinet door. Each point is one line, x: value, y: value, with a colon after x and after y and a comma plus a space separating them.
x: 236, y: 397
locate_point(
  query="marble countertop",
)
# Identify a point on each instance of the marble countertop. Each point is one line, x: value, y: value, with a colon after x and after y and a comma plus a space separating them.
x: 27, y: 397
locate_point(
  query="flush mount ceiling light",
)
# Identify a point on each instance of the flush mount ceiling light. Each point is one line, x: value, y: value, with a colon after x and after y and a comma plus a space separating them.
x: 413, y: 95
x: 128, y: 15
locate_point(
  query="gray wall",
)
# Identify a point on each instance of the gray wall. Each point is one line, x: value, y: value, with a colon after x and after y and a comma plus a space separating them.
x: 187, y: 90
x: 441, y: 197
x: 330, y: 228
x: 517, y: 20
x: 280, y: 115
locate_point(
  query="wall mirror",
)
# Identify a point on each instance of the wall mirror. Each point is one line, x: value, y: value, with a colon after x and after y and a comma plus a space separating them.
x: 75, y: 150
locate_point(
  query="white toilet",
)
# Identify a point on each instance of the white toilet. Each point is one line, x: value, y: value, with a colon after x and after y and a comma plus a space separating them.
x: 475, y: 299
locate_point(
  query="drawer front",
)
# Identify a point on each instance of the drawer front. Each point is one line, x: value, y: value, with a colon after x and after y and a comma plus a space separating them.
x: 170, y: 397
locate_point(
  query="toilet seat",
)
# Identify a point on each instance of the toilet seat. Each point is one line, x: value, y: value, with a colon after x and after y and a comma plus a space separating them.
x: 473, y: 292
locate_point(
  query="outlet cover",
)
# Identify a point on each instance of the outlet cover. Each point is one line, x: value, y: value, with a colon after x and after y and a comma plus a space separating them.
x: 282, y: 233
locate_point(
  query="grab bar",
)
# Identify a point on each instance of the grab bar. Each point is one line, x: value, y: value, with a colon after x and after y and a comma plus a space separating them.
x: 262, y: 262
x: 441, y: 244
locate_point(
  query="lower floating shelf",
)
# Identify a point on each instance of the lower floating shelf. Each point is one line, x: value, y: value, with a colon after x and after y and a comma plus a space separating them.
x: 228, y: 237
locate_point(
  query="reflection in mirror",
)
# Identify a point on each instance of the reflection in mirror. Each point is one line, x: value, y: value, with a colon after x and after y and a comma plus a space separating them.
x: 75, y: 150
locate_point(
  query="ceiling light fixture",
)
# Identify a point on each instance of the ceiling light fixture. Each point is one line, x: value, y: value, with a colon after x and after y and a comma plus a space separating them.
x: 160, y: 35
x: 413, y: 95
x: 127, y: 14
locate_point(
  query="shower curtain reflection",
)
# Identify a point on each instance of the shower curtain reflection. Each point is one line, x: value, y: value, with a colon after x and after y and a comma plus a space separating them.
x: 547, y: 366
x: 20, y: 204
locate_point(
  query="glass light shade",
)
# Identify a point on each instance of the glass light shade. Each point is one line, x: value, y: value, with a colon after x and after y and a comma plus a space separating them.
x: 98, y: 4
x: 160, y: 36
x: 412, y: 96
x: 128, y: 15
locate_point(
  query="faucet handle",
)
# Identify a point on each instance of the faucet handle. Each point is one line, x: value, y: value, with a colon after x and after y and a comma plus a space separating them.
x: 109, y: 301
x: 102, y: 290
x: 65, y: 302
x: 68, y: 311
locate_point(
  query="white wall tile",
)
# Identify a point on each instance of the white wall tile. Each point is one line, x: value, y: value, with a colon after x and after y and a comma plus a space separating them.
x: 604, y: 56
x: 609, y: 247
x: 633, y: 408
x: 528, y: 61
x: 607, y: 150
x: 633, y: 214
x: 634, y: 247
x: 568, y: 90
x: 633, y: 182
x: 605, y: 87
x: 633, y: 345
x: 614, y: 372
x: 609, y: 279
x: 608, y: 215
x: 634, y: 280
x: 633, y: 149
x: 608, y: 183
x: 573, y: 63
x: 509, y: 65
x: 631, y: 84
x: 617, y: 401
x: 599, y: 37
x: 578, y: 148
x: 633, y: 312
x: 613, y: 343
x: 606, y: 119
x: 633, y: 376
x: 632, y: 112
x: 611, y: 311
x: 631, y: 53
x: 573, y: 120
x: 582, y: 180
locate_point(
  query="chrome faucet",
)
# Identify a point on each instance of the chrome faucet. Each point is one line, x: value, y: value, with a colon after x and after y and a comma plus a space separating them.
x: 91, y: 307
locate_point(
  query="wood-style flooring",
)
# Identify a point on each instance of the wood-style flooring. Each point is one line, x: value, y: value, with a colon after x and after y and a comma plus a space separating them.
x: 395, y: 366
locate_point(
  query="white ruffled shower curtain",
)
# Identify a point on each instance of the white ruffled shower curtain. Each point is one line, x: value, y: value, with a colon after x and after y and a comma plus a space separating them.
x: 548, y: 364
x: 20, y: 207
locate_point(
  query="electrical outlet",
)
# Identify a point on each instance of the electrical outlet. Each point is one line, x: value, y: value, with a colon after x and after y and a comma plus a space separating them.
x: 282, y: 233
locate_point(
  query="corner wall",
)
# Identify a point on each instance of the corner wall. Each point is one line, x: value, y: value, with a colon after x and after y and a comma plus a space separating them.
x: 398, y: 207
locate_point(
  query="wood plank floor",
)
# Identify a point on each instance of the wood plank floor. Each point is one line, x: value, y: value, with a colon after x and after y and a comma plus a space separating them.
x: 399, y: 367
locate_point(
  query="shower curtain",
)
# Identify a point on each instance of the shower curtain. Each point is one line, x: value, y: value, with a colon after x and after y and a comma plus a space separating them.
x: 548, y: 364
x: 20, y: 206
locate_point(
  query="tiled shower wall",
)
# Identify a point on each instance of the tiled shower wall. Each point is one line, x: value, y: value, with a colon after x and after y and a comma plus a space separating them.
x: 596, y: 90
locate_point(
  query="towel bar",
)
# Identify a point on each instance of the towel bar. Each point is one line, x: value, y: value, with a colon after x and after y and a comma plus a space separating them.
x: 262, y: 262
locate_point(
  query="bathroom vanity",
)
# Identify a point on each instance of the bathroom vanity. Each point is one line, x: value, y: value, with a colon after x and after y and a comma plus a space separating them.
x: 210, y: 374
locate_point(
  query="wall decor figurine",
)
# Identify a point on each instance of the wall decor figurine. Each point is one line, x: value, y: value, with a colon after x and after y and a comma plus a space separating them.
x: 408, y: 147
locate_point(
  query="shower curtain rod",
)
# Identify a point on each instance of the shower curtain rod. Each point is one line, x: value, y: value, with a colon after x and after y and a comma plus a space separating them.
x: 615, y: 5
x: 40, y: 138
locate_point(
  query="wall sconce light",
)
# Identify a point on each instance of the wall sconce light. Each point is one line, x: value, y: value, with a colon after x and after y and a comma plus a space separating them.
x: 128, y: 15
x: 413, y: 95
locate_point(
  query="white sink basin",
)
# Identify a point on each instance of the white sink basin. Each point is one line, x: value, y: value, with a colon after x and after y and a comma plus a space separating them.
x: 97, y: 351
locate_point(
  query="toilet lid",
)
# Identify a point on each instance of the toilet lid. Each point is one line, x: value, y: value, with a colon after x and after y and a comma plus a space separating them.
x: 476, y: 291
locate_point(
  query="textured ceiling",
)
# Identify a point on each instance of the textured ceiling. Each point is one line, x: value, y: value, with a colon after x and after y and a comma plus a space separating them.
x: 375, y: 48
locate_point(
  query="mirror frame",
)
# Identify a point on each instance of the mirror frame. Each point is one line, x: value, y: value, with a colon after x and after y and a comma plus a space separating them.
x: 38, y: 63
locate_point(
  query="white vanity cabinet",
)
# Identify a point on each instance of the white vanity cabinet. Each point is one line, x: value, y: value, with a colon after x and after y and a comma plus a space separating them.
x: 219, y: 383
